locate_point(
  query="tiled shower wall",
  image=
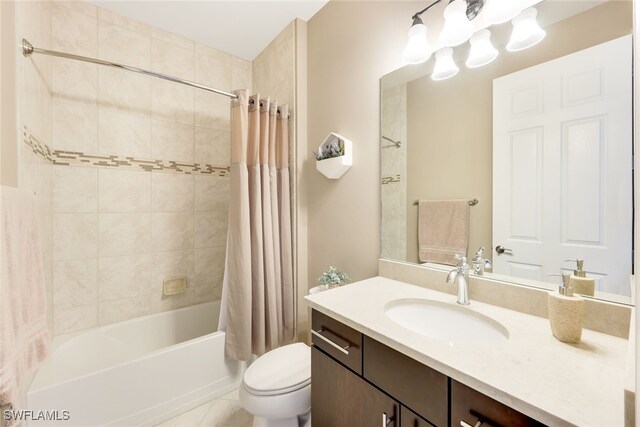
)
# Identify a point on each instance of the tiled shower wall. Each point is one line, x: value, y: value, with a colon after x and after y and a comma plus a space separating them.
x: 394, y: 174
x: 33, y: 22
x: 274, y: 68
x: 118, y: 230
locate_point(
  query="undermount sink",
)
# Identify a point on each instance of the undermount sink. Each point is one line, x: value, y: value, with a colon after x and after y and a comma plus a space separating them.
x: 447, y: 322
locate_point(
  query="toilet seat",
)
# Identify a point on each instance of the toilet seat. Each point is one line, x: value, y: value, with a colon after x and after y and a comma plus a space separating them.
x: 280, y: 371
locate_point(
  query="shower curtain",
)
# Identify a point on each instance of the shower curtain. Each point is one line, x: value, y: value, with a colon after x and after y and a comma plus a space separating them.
x: 257, y: 294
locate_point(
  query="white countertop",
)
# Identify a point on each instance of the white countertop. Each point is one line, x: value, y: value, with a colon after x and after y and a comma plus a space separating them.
x: 532, y: 372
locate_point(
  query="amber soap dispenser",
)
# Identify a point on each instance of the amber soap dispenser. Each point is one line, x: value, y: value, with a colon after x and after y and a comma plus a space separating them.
x: 566, y: 312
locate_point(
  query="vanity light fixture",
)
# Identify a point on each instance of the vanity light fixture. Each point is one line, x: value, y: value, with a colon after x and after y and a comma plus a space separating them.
x: 526, y: 31
x: 458, y: 29
x: 500, y: 11
x: 445, y: 67
x: 418, y: 49
x: 457, y: 26
x: 482, y: 50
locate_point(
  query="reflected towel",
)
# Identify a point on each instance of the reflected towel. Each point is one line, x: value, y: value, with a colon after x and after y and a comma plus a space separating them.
x: 24, y: 335
x: 443, y: 230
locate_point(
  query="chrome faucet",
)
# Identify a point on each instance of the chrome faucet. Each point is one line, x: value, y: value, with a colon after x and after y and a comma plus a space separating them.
x: 479, y: 263
x: 461, y: 274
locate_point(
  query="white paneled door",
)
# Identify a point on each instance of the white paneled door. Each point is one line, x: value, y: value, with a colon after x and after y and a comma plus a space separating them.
x: 562, y: 167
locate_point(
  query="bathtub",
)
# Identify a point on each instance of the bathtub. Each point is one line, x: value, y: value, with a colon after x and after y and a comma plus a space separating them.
x: 138, y: 372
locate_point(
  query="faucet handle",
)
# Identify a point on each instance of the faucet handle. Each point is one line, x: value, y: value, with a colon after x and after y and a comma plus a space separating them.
x: 479, y: 253
x: 461, y: 258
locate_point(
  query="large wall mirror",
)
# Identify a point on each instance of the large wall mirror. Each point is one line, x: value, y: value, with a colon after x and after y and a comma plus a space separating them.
x: 541, y: 138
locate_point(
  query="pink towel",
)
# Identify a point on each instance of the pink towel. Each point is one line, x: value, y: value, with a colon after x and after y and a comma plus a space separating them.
x: 24, y: 335
x: 443, y: 230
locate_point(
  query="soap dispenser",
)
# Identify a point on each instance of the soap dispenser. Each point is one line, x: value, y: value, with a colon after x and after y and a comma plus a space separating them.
x: 580, y: 283
x: 566, y: 312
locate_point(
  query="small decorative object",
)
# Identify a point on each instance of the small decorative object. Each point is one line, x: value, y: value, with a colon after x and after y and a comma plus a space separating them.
x: 331, y: 150
x: 333, y: 278
x: 334, y: 156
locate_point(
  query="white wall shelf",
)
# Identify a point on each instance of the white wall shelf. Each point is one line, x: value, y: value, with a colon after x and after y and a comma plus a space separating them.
x: 335, y: 167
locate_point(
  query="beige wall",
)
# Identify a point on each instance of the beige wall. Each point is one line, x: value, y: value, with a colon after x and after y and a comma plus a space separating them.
x: 350, y: 46
x: 302, y: 197
x: 636, y: 116
x: 450, y: 122
x: 118, y: 232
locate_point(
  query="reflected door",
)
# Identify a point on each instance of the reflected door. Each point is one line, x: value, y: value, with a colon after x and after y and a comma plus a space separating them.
x: 562, y: 167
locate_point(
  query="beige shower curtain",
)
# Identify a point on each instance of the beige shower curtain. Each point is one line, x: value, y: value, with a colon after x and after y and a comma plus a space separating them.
x: 257, y: 294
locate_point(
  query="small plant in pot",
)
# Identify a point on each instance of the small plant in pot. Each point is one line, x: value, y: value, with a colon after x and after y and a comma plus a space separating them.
x: 333, y: 278
x: 329, y: 151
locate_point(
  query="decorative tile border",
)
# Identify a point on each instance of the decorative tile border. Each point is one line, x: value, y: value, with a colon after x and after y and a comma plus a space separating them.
x: 75, y: 158
x: 390, y: 179
x: 36, y: 146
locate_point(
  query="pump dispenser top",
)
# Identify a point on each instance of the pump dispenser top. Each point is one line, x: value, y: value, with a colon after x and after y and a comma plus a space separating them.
x: 566, y: 312
x: 580, y: 283
x: 565, y: 288
x: 578, y: 272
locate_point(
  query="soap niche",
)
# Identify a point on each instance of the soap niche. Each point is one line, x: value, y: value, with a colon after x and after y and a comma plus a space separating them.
x: 335, y: 167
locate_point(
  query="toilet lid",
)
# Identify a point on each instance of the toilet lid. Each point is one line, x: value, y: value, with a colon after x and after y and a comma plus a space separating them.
x: 279, y: 371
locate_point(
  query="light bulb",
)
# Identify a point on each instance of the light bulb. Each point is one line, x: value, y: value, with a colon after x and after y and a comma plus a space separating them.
x: 457, y: 27
x: 418, y: 49
x: 526, y: 31
x: 482, y: 51
x: 445, y: 67
x: 499, y: 11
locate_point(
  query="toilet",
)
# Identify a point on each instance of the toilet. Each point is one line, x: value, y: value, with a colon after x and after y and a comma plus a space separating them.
x: 276, y: 388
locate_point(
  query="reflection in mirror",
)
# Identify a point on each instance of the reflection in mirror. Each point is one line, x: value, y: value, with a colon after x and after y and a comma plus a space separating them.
x: 542, y: 138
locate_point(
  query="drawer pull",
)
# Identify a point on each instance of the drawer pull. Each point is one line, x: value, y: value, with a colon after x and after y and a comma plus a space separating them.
x: 477, y: 424
x: 386, y: 419
x: 341, y: 349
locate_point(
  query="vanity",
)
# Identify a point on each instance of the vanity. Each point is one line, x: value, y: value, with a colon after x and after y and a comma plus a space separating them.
x: 369, y: 368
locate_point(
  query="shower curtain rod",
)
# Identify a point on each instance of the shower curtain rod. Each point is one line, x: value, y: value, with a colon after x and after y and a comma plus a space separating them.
x: 28, y: 49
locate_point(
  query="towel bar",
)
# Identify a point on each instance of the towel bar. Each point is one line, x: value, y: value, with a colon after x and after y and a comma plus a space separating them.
x: 472, y: 202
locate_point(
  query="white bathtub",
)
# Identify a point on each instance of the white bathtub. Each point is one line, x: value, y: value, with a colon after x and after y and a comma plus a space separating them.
x: 138, y: 372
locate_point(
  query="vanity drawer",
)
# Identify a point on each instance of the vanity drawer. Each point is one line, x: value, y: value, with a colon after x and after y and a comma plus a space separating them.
x: 341, y: 342
x: 421, y: 388
x: 469, y: 406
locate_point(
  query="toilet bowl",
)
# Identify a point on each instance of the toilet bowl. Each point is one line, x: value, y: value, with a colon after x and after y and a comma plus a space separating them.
x: 276, y: 388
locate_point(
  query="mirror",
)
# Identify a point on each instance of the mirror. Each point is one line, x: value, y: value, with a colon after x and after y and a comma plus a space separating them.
x: 542, y: 138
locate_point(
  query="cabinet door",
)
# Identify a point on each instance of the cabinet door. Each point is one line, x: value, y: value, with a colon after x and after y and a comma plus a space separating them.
x: 408, y: 418
x: 421, y: 388
x: 340, y: 398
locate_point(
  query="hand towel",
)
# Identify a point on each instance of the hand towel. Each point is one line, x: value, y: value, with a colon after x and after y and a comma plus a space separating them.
x: 24, y: 334
x: 443, y: 230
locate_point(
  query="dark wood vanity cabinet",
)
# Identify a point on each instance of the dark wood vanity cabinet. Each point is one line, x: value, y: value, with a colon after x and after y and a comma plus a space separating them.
x: 408, y: 418
x: 357, y: 381
x: 341, y: 398
x: 470, y: 406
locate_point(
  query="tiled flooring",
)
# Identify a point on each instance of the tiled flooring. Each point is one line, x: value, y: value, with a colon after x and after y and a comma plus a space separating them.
x: 223, y: 412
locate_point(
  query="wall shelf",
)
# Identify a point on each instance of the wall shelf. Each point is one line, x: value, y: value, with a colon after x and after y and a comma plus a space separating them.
x: 335, y: 167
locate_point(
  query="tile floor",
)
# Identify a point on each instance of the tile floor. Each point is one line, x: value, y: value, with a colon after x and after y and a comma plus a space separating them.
x: 225, y: 411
